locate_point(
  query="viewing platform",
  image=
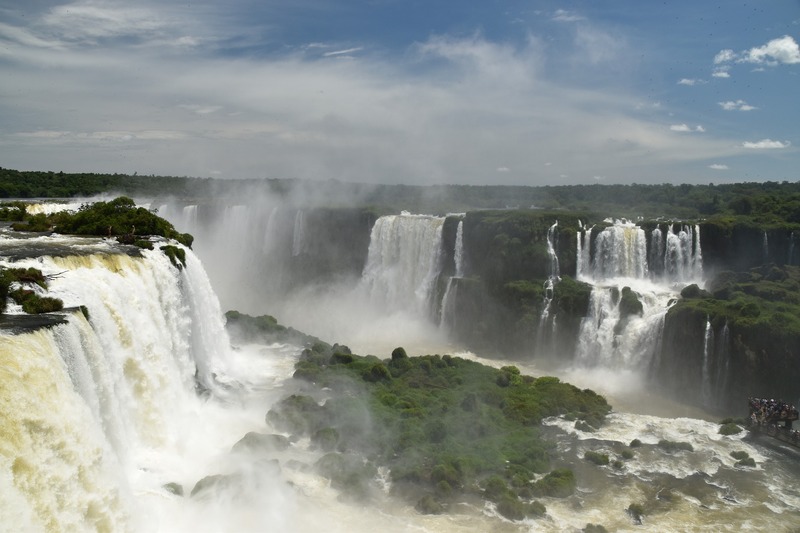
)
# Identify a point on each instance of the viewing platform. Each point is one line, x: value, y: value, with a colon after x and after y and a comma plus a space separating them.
x: 775, y: 418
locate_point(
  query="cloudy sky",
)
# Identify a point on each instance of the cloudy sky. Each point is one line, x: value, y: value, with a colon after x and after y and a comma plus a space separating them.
x: 404, y: 91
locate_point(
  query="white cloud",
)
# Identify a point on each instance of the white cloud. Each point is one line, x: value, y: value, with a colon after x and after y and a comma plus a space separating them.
x: 503, y: 169
x: 721, y: 73
x: 723, y: 56
x: 718, y: 166
x: 684, y: 128
x: 597, y: 45
x: 435, y: 114
x: 736, y: 105
x: 562, y: 15
x: 783, y: 50
x: 689, y: 81
x: 201, y: 109
x: 766, y: 144
x: 343, y: 52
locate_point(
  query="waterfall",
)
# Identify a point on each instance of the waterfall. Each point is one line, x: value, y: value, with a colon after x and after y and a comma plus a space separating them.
x: 85, y: 400
x: 299, y: 233
x: 620, y: 251
x: 790, y: 255
x: 552, y: 256
x: 610, y: 340
x: 404, y: 262
x: 683, y: 258
x: 553, y: 278
x: 188, y: 221
x: 765, y: 247
x: 722, y: 350
x: 458, y: 251
x: 583, y: 254
x: 697, y: 259
x: 447, y: 314
x: 657, y: 251
x: 708, y: 351
x: 57, y: 471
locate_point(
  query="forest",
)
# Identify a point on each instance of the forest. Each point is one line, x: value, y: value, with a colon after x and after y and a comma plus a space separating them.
x: 770, y: 203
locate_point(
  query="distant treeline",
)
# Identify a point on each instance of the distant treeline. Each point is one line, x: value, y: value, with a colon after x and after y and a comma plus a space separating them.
x: 766, y: 202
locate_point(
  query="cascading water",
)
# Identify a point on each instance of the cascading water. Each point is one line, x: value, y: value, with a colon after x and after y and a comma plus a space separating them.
x: 447, y: 318
x: 765, y: 247
x: 708, y: 352
x: 86, y: 400
x: 299, y: 233
x: 404, y: 262
x: 584, y: 259
x: 546, y: 332
x: 620, y: 252
x: 722, y: 351
x: 657, y: 252
x: 458, y: 251
x: 616, y: 264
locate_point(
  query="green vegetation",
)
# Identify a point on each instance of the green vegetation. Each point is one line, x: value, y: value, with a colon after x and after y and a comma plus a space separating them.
x: 245, y: 329
x: 600, y: 459
x: 177, y: 256
x: 760, y: 310
x: 743, y: 459
x: 729, y: 428
x: 119, y: 217
x: 764, y: 300
x: 446, y: 427
x: 636, y: 512
x: 768, y: 202
x: 671, y: 446
x: 31, y: 301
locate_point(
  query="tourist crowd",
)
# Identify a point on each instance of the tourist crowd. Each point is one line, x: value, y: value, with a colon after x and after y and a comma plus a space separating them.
x: 763, y: 411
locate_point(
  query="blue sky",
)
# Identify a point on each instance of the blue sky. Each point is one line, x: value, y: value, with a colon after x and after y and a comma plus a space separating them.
x: 416, y: 92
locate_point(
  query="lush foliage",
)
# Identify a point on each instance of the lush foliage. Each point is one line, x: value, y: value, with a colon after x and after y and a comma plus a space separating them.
x: 445, y: 426
x: 119, y: 217
x: 245, y: 328
x: 761, y: 307
x: 30, y: 300
x: 760, y: 202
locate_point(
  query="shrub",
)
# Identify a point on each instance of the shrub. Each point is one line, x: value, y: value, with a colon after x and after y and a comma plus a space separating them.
x: 429, y: 505
x: 559, y: 483
x: 177, y: 256
x: 674, y: 446
x: 636, y: 512
x: 729, y: 429
x: 600, y: 459
x: 399, y: 353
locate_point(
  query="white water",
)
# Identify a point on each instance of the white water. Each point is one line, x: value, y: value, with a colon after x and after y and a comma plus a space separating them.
x: 619, y: 260
x: 458, y: 251
x: 547, y: 324
x: 447, y: 316
x: 404, y: 262
x: 96, y: 416
x: 708, y: 352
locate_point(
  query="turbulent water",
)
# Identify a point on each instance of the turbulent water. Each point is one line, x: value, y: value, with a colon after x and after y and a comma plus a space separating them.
x: 99, y: 415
